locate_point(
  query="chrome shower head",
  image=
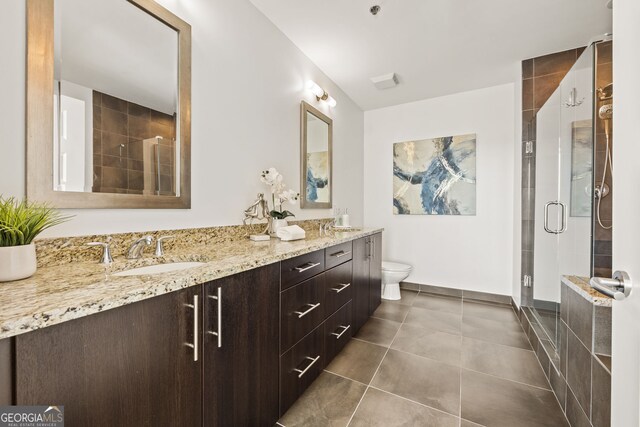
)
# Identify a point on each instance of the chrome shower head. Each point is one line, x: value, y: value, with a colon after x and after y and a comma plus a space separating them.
x: 606, y: 112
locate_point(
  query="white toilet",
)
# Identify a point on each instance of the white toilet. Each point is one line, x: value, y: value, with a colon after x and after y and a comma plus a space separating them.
x: 392, y: 274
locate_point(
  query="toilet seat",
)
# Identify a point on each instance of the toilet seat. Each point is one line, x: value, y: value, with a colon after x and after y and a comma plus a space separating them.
x: 395, y: 266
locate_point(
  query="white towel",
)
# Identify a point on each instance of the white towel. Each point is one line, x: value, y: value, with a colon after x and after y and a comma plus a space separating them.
x: 291, y: 232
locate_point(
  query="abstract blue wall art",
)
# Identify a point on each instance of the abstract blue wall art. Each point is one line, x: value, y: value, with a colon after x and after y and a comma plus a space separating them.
x: 435, y: 176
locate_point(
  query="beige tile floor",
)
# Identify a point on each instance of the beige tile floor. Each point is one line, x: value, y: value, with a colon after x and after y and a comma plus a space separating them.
x: 432, y: 360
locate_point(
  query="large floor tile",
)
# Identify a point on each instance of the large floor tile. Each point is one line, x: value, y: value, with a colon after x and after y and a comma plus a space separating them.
x: 429, y: 343
x: 500, y: 313
x: 391, y: 311
x: 494, y: 331
x: 422, y: 380
x: 503, y: 361
x: 380, y: 409
x: 329, y: 401
x: 358, y: 360
x: 438, y: 320
x: 439, y: 303
x: 496, y: 402
x: 467, y: 423
x: 407, y: 296
x: 378, y: 331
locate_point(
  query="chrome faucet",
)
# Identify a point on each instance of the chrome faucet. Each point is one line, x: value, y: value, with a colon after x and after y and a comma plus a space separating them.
x: 326, y: 227
x: 137, y: 247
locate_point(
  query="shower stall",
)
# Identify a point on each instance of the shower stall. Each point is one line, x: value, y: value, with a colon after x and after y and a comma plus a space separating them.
x: 573, y: 145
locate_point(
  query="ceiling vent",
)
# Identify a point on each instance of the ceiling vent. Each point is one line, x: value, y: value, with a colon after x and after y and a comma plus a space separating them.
x: 385, y: 81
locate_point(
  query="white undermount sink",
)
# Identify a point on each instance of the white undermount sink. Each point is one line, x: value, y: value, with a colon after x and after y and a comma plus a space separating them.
x: 159, y: 268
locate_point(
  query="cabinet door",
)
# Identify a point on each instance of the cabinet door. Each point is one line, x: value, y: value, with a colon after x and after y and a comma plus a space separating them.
x: 360, y: 282
x: 241, y: 361
x: 375, y: 272
x: 127, y: 366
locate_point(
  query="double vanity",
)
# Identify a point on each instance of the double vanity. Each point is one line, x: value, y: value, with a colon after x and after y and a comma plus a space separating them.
x: 231, y: 342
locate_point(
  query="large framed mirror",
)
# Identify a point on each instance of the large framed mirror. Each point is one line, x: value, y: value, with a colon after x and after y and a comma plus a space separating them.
x: 108, y: 104
x: 316, y: 130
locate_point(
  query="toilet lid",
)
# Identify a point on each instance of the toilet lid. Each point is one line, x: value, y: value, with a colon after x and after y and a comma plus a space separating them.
x: 395, y: 266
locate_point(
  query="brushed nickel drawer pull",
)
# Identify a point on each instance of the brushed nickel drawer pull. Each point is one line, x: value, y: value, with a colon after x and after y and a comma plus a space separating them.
x: 301, y: 372
x: 312, y: 307
x: 194, y: 346
x: 307, y: 266
x: 219, y: 333
x: 344, y: 329
x: 342, y: 287
x: 341, y: 254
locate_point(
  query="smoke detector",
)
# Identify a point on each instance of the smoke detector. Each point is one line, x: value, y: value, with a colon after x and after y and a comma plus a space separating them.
x: 385, y: 81
x: 374, y: 9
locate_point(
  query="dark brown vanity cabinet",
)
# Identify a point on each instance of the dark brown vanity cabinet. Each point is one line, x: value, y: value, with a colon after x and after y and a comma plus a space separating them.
x: 316, y: 316
x: 367, y: 278
x: 241, y: 349
x: 130, y: 366
x: 237, y: 351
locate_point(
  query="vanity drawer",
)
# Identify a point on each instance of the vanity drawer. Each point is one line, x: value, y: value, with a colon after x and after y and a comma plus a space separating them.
x: 302, y: 309
x: 338, y: 287
x: 338, y: 254
x: 299, y: 367
x: 337, y: 331
x: 295, y: 270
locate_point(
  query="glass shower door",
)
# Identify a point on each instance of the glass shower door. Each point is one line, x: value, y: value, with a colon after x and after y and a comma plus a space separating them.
x: 564, y: 168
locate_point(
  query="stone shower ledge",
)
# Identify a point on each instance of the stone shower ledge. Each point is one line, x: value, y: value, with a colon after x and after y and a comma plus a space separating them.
x: 581, y: 286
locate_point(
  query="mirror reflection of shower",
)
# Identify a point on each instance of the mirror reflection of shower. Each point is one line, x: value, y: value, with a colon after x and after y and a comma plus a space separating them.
x: 159, y: 166
x: 605, y: 113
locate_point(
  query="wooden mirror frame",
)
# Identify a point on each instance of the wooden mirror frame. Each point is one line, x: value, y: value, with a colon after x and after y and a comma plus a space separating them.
x: 40, y: 87
x: 304, y: 203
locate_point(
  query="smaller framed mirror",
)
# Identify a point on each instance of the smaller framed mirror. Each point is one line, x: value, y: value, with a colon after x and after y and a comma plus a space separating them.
x: 316, y: 148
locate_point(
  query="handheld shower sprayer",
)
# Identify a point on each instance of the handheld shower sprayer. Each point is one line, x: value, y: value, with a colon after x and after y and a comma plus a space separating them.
x: 605, y: 113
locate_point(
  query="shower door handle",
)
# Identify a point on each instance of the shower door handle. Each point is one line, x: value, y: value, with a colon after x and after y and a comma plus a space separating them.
x: 563, y: 228
x: 563, y: 208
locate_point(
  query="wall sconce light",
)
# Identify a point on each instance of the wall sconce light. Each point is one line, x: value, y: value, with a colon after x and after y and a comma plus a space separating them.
x: 320, y: 93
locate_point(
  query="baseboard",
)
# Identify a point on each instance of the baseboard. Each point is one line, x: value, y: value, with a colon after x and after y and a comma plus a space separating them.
x: 460, y: 293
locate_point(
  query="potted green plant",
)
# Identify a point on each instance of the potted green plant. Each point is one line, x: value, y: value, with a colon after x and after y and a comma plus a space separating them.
x: 20, y: 223
x: 279, y: 195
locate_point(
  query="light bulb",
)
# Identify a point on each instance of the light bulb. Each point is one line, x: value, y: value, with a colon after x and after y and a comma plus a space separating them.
x: 315, y: 89
x: 332, y: 102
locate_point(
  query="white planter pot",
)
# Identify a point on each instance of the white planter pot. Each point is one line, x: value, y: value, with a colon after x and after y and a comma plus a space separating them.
x: 17, y: 262
x: 276, y: 224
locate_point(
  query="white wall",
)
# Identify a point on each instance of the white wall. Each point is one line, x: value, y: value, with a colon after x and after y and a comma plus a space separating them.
x: 247, y: 83
x: 516, y: 270
x: 466, y: 252
x: 625, y: 386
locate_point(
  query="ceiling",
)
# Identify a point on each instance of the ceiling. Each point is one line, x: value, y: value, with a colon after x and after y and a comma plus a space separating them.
x: 436, y: 47
x: 116, y: 48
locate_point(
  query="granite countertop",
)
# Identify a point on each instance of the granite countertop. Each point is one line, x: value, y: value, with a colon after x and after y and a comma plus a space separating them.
x: 59, y: 293
x: 581, y: 286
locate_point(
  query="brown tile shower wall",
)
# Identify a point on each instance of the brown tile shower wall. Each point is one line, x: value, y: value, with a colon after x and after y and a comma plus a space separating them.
x: 579, y: 370
x: 119, y: 127
x: 603, y: 236
x: 541, y: 76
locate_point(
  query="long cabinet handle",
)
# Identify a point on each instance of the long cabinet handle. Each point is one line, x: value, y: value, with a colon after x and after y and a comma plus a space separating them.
x: 313, y: 360
x: 341, y: 254
x: 219, y: 332
x: 312, y: 307
x: 307, y: 266
x: 342, y: 287
x: 344, y: 329
x: 196, y: 310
